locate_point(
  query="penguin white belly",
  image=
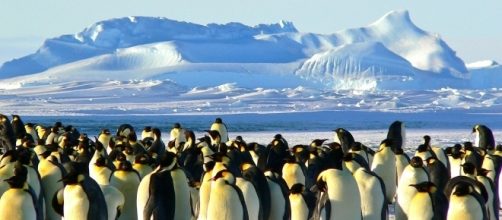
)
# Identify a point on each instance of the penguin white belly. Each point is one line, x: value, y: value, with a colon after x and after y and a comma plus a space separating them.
x: 76, y: 203
x: 277, y: 201
x: 127, y: 183
x: 372, y: 195
x: 299, y: 209
x: 114, y: 200
x: 224, y: 202
x: 489, y: 164
x: 343, y: 195
x: 384, y: 165
x: 143, y: 195
x: 182, y: 195
x: 465, y: 208
x: 401, y: 163
x: 17, y: 204
x: 455, y: 168
x: 292, y: 173
x: 405, y: 192
x: 420, y: 207
x: 50, y: 176
x: 250, y: 197
x: 204, y: 195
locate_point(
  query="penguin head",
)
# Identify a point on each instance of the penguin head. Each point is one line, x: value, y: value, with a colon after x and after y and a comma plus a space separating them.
x: 142, y: 159
x: 462, y: 189
x: 101, y: 161
x: 246, y: 166
x: 468, y: 146
x: 317, y: 142
x: 16, y: 118
x: 386, y: 143
x: 297, y: 188
x: 218, y: 121
x: 157, y: 134
x: 425, y: 187
x: 20, y: 176
x: 176, y: 125
x: 422, y: 148
x: 469, y: 168
x: 74, y: 173
x: 416, y: 162
x: 125, y: 166
x: 168, y: 160
x: 475, y: 128
x: 399, y: 151
x: 224, y: 174
x: 483, y: 172
x: 427, y: 140
x: 45, y: 154
x: 431, y: 160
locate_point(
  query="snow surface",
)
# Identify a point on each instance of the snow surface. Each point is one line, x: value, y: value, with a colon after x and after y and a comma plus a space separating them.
x: 482, y: 64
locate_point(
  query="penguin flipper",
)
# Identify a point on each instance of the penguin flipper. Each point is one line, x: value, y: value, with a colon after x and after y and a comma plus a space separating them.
x: 58, y: 201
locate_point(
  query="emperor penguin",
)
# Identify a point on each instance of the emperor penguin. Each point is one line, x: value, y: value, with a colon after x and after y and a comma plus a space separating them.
x: 397, y: 134
x: 302, y: 202
x: 164, y: 193
x: 127, y: 180
x: 413, y: 174
x: 427, y: 203
x: 51, y: 171
x: 341, y: 193
x: 19, y: 201
x: 226, y: 201
x: 484, y: 138
x: 344, y: 138
x: 81, y: 198
x: 221, y: 127
x: 372, y: 191
x: 384, y: 165
x: 466, y: 203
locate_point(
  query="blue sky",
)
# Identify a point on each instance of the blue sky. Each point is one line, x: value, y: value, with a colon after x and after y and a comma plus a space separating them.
x: 472, y: 28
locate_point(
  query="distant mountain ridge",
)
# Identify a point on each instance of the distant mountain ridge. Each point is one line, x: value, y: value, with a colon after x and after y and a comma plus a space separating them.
x: 142, y: 43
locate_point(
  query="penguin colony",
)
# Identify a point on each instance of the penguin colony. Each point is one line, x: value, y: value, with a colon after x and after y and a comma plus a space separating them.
x: 59, y: 173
